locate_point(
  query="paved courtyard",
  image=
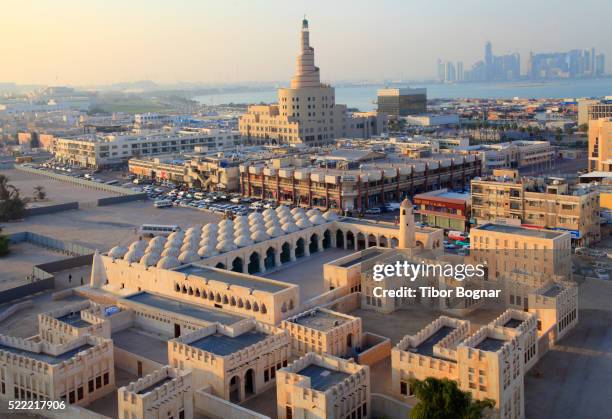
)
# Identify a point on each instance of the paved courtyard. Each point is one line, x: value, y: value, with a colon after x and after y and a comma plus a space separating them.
x: 104, y: 227
x: 57, y: 191
x: 18, y: 264
x: 307, y: 272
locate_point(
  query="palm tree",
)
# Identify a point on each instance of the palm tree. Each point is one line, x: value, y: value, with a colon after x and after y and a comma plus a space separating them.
x: 39, y: 193
x: 442, y: 399
x: 12, y: 205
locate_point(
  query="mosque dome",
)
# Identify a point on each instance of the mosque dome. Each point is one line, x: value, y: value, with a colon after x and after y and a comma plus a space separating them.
x: 330, y: 215
x: 171, y: 251
x: 168, y: 262
x: 317, y: 219
x: 290, y: 227
x: 303, y: 223
x: 188, y: 256
x: 275, y: 231
x: 150, y: 259
x: 259, y: 236
x: 118, y: 252
x: 134, y: 255
x: 207, y: 251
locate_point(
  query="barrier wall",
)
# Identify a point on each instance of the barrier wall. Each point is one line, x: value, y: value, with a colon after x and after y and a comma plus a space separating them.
x: 217, y: 408
x: 50, y: 209
x: 27, y: 289
x: 389, y: 408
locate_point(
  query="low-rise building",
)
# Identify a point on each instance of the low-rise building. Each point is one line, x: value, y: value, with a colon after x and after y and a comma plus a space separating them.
x: 443, y: 209
x: 76, y: 372
x: 323, y: 386
x: 98, y: 150
x: 324, y: 331
x: 162, y: 394
x: 237, y: 361
x: 600, y: 145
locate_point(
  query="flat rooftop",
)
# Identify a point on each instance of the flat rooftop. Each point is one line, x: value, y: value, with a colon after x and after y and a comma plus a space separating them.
x: 319, y: 320
x: 552, y: 291
x: 426, y: 347
x: 513, y: 323
x: 322, y: 378
x: 185, y: 309
x: 232, y: 278
x: 490, y: 344
x: 155, y: 385
x: 222, y: 345
x: 43, y: 357
x: 370, y: 255
x: 74, y: 319
x: 136, y: 341
x: 499, y: 228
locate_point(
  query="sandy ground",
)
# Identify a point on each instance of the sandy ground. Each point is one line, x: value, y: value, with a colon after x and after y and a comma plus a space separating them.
x: 18, y: 264
x: 104, y: 227
x: 57, y: 192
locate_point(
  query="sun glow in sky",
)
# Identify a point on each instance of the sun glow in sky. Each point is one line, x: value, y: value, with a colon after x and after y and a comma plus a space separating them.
x: 101, y: 42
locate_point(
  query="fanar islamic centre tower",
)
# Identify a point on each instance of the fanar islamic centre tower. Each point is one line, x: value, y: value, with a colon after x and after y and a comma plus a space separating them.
x: 306, y: 112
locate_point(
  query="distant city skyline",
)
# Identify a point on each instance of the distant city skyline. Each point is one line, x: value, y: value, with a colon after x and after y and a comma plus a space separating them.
x: 66, y: 42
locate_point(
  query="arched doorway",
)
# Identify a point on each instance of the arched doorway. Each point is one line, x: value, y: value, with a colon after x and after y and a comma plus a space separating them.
x: 350, y: 240
x: 285, y: 255
x: 269, y: 261
x: 361, y: 241
x: 339, y: 239
x: 234, y: 389
x: 237, y: 264
x: 371, y: 240
x: 394, y: 243
x: 253, y: 267
x: 299, y: 248
x: 382, y: 242
x: 249, y: 383
x: 314, y: 243
x: 326, y: 239
x: 349, y: 341
x: 419, y: 245
x: 220, y: 265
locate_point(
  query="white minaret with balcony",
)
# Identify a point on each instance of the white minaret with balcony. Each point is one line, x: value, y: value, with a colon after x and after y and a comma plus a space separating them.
x: 407, y: 234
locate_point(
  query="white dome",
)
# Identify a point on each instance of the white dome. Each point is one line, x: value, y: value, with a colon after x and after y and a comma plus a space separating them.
x: 174, y: 241
x: 286, y: 219
x: 297, y: 210
x: 193, y: 230
x: 330, y: 215
x: 224, y: 224
x: 212, y: 227
x: 240, y: 220
x: 168, y: 262
x: 138, y: 244
x: 303, y: 223
x: 268, y: 212
x: 290, y: 228
x: 157, y: 242
x: 282, y: 208
x: 189, y: 246
x: 257, y: 227
x: 171, y: 251
x: 208, y: 240
x: 179, y: 234
x: 195, y: 238
x: 150, y: 259
x: 243, y: 241
x: 271, y: 224
x: 255, y: 215
x: 134, y: 255
x: 188, y: 256
x: 207, y: 251
x: 312, y: 212
x: 225, y: 246
x: 118, y: 252
x: 259, y: 236
x: 275, y: 231
x: 317, y: 219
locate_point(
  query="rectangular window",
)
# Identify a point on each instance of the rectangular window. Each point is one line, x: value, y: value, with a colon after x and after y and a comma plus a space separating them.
x: 106, y: 378
x: 90, y: 386
x: 99, y: 381
x: 80, y: 393
x: 266, y: 376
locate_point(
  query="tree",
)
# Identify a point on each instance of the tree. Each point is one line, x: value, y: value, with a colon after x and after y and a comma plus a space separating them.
x: 39, y: 193
x: 4, y: 245
x: 12, y: 205
x: 442, y: 399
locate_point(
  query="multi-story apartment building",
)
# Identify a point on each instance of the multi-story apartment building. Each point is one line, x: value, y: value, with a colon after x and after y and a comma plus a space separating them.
x: 506, y: 249
x: 443, y: 209
x: 307, y: 111
x: 537, y: 203
x: 600, y: 144
x: 94, y: 150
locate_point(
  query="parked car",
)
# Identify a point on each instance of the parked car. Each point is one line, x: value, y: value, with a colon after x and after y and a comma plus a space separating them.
x: 373, y: 211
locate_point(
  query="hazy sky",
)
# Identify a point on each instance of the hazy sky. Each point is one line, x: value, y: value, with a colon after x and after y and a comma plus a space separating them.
x: 107, y: 41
